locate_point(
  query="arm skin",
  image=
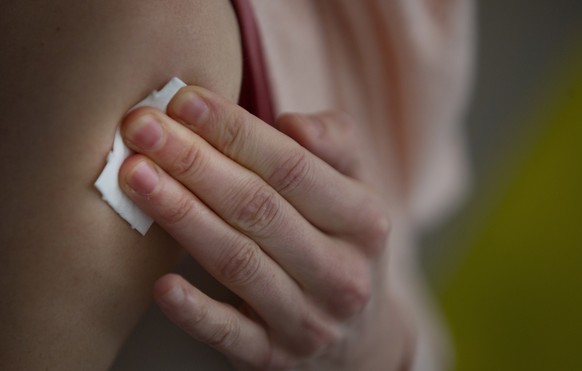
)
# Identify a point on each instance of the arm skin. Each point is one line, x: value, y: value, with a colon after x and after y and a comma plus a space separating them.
x: 75, y: 277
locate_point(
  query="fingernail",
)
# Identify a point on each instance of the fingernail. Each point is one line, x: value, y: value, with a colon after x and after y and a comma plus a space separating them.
x: 146, y: 132
x: 191, y: 108
x: 144, y: 179
x: 174, y: 296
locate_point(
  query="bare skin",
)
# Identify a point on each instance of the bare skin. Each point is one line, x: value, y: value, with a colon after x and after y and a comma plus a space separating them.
x: 258, y: 212
x: 75, y: 277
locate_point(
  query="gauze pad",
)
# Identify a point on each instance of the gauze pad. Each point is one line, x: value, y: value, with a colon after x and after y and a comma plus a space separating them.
x: 108, y: 183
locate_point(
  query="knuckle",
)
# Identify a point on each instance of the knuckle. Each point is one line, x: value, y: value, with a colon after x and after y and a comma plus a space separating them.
x: 196, y: 322
x: 178, y: 212
x: 232, y: 134
x: 291, y: 173
x: 353, y: 295
x: 258, y: 210
x: 188, y: 163
x: 379, y: 234
x: 190, y: 320
x: 318, y: 335
x: 348, y: 136
x: 376, y: 229
x: 240, y: 265
x: 225, y: 334
x: 339, y: 120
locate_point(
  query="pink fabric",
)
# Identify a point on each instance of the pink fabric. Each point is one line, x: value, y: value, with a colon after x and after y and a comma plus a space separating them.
x: 402, y: 69
x: 255, y: 91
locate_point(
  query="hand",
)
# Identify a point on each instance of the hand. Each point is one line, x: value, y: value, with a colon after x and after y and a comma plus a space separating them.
x: 299, y: 239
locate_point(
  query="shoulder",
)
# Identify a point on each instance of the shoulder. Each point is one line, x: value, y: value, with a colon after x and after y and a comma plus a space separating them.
x: 123, y: 40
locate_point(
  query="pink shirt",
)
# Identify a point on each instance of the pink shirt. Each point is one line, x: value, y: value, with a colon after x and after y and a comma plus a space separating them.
x: 403, y: 69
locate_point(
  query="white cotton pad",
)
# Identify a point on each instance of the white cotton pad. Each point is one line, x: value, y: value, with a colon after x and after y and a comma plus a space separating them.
x: 108, y: 183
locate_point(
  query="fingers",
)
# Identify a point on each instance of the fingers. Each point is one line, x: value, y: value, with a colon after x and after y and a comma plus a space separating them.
x: 300, y: 177
x: 330, y: 136
x: 250, y: 204
x: 232, y: 258
x: 218, y: 324
x: 210, y: 180
x: 234, y: 193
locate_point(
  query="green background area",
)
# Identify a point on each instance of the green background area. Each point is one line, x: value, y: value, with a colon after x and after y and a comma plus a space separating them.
x: 514, y: 298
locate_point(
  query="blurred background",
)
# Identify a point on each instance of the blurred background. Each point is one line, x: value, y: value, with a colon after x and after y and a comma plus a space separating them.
x: 507, y: 268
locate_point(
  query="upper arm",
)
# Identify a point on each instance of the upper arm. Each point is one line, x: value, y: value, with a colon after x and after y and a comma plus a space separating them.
x: 75, y: 277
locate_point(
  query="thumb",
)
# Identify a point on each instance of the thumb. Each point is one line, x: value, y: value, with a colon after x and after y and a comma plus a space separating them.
x: 329, y: 135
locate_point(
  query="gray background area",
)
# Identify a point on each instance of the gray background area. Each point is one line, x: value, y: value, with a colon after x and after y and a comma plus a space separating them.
x: 523, y: 45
